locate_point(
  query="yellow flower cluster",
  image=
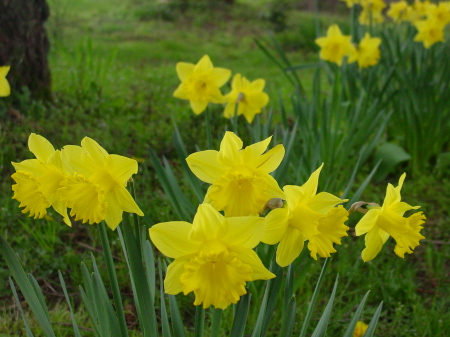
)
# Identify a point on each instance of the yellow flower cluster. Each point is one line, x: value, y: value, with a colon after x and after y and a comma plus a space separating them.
x: 335, y: 46
x: 86, y: 179
x: 5, y: 89
x: 200, y: 84
x: 214, y: 256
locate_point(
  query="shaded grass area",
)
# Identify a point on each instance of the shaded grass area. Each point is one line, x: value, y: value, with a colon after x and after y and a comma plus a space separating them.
x: 113, y: 77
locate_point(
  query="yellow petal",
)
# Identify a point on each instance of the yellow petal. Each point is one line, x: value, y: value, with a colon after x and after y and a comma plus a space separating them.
x: 290, y: 247
x: 273, y: 190
x: 375, y: 240
x: 310, y: 187
x: 121, y: 168
x: 171, y: 238
x: 184, y: 69
x: 258, y: 85
x: 208, y: 224
x: 61, y: 208
x: 229, y: 149
x: 205, y: 166
x: 27, y: 192
x: 40, y: 147
x: 114, y: 213
x: 244, y: 231
x: 269, y: 161
x: 198, y: 107
x: 97, y: 152
x: 230, y: 109
x: 249, y: 257
x: 236, y: 84
x: 172, y: 283
x: 324, y: 201
x: 75, y: 159
x: 204, y: 64
x: 294, y: 195
x: 180, y: 92
x: 5, y: 89
x: 220, y: 76
x: 367, y: 222
x: 33, y: 166
x: 276, y: 226
x: 122, y: 199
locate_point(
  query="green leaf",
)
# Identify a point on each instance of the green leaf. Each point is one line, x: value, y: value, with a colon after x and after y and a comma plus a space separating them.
x: 177, y: 322
x: 26, y: 287
x: 215, y: 321
x: 76, y: 331
x: 390, y: 155
x: 351, y: 327
x: 287, y: 324
x: 321, y: 327
x: 240, y: 316
x: 164, y: 317
x: 373, y: 322
x: 199, y: 325
x: 16, y: 299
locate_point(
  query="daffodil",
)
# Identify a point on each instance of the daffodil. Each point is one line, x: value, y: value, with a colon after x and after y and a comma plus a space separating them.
x: 213, y: 256
x: 360, y: 329
x: 367, y: 53
x: 439, y: 12
x: 308, y: 216
x: 37, y: 180
x: 5, y: 89
x: 335, y: 46
x: 371, y: 12
x: 96, y: 190
x: 200, y: 83
x: 418, y: 10
x: 430, y: 31
x: 381, y: 222
x: 399, y: 11
x: 248, y: 96
x: 241, y: 183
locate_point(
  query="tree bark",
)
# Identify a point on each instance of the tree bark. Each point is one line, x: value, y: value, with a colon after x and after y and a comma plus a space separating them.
x: 24, y: 45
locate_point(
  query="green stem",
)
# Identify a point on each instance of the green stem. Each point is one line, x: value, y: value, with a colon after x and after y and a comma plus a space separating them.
x: 208, y: 128
x: 216, y: 320
x: 112, y: 278
x: 199, y: 327
x: 234, y: 119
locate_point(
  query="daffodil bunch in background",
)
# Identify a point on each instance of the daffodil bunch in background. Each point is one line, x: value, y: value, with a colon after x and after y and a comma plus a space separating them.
x: 367, y: 53
x: 431, y: 27
x: 372, y: 12
x: 335, y: 46
x: 399, y: 11
x: 86, y: 179
x: 5, y: 89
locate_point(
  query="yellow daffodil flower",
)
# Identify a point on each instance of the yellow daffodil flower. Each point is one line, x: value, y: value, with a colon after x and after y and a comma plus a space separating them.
x: 360, y: 329
x: 399, y: 11
x: 5, y: 89
x: 439, y: 12
x: 241, y: 183
x: 430, y: 31
x: 96, y: 189
x: 213, y: 256
x: 418, y: 11
x: 308, y: 216
x: 367, y: 53
x: 371, y: 12
x: 200, y: 83
x: 379, y: 223
x: 335, y: 46
x: 248, y: 96
x: 351, y: 3
x: 37, y: 180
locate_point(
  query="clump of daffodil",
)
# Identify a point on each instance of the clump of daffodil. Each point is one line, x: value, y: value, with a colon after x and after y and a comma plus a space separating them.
x: 430, y: 31
x: 439, y: 12
x: 381, y: 222
x: 360, y: 329
x: 351, y: 3
x: 399, y: 11
x: 335, y: 46
x: 37, y: 180
x: 248, y: 96
x: 96, y: 189
x: 241, y: 183
x: 418, y: 10
x: 371, y: 12
x: 5, y: 89
x: 200, y: 83
x: 308, y: 216
x: 367, y: 53
x: 213, y: 256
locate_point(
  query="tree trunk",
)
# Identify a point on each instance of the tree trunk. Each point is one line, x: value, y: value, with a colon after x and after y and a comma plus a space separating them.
x: 24, y: 45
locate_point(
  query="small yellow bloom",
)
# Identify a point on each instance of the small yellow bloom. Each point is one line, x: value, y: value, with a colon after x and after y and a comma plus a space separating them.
x: 399, y: 11
x: 430, y: 31
x: 308, y: 216
x: 241, y: 183
x: 37, y: 180
x: 335, y: 46
x: 360, y: 329
x: 248, y: 96
x: 367, y: 53
x: 96, y: 190
x: 419, y: 10
x: 371, y: 12
x: 379, y: 223
x: 439, y: 12
x: 5, y: 89
x: 213, y: 256
x: 200, y: 83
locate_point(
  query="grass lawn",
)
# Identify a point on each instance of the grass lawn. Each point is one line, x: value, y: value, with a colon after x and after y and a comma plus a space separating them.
x: 113, y: 70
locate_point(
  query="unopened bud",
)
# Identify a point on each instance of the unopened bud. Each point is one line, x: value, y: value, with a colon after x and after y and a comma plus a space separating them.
x: 359, y: 206
x: 273, y: 203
